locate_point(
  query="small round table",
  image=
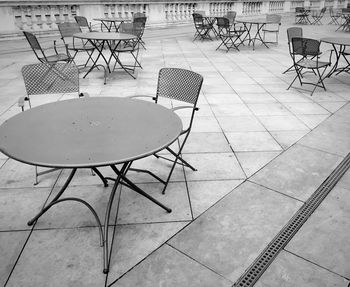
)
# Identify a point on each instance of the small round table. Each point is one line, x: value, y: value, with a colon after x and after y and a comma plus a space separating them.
x: 248, y: 23
x: 109, y: 23
x: 339, y: 45
x: 89, y: 133
x: 101, y: 39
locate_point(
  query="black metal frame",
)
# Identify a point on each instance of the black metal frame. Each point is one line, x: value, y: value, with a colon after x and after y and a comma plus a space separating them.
x: 308, y: 51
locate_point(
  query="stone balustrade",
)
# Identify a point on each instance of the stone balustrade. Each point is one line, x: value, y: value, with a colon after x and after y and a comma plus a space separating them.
x: 43, y: 17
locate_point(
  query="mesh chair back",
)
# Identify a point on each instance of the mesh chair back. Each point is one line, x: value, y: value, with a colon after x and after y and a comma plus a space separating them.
x: 345, y: 10
x: 273, y: 18
x: 50, y: 79
x: 294, y: 32
x: 197, y: 18
x: 32, y: 40
x: 179, y: 84
x: 68, y: 29
x: 231, y: 15
x: 305, y: 47
x: 299, y: 9
x: 82, y: 22
x: 131, y: 28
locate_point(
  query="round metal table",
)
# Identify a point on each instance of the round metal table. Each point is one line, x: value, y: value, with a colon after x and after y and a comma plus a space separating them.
x: 99, y: 40
x: 88, y: 133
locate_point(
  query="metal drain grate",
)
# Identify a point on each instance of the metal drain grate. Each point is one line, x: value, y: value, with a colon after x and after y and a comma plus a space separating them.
x: 267, y: 256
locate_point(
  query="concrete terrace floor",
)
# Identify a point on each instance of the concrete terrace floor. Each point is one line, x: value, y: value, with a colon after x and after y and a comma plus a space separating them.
x: 260, y: 151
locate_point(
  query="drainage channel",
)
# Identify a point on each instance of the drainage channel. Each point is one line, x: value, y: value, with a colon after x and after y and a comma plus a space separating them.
x: 266, y: 257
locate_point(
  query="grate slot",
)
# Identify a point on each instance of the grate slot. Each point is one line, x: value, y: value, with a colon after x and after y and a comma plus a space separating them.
x: 266, y: 257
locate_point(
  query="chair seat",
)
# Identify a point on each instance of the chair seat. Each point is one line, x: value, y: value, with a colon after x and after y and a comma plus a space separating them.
x: 81, y: 47
x: 270, y: 30
x: 312, y: 64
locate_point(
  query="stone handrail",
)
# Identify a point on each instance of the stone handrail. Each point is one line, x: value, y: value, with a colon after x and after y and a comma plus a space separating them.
x: 43, y: 17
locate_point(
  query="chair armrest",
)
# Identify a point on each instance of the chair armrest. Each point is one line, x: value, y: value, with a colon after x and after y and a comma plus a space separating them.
x: 84, y: 95
x: 184, y: 107
x: 21, y: 102
x: 142, y: 96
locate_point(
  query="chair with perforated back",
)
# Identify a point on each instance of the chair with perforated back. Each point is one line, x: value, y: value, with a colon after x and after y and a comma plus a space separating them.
x: 317, y: 16
x: 131, y: 47
x: 41, y: 54
x: 293, y: 32
x: 306, y: 56
x: 229, y: 36
x: 75, y: 46
x: 273, y: 23
x: 178, y: 86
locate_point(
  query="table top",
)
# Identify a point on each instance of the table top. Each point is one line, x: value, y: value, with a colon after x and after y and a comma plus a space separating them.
x: 88, y: 132
x: 104, y: 36
x: 336, y: 40
x: 253, y: 21
x: 112, y: 19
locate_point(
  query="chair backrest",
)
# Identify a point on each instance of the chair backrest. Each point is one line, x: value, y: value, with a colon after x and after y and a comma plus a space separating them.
x: 34, y: 44
x: 179, y: 84
x: 82, y: 22
x: 223, y: 23
x: 43, y: 78
x: 273, y: 18
x: 294, y: 32
x: 345, y: 10
x: 197, y: 18
x: 299, y: 9
x: 323, y: 10
x: 138, y: 14
x: 68, y: 29
x: 231, y: 15
x: 305, y: 47
x: 140, y: 19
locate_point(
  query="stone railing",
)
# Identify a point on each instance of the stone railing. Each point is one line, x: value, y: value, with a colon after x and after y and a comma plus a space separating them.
x: 43, y: 16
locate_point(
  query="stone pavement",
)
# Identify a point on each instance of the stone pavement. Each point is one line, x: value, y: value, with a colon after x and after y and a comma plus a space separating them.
x: 260, y: 151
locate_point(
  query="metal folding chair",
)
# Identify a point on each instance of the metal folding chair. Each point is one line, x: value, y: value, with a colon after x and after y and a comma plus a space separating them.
x: 43, y: 79
x: 75, y: 46
x: 202, y: 29
x: 317, y: 16
x: 292, y: 32
x: 305, y: 55
x: 41, y: 54
x: 140, y: 21
x: 131, y: 46
x: 85, y: 26
x: 228, y: 34
x: 273, y: 26
x: 335, y: 15
x: 301, y: 16
x: 179, y: 86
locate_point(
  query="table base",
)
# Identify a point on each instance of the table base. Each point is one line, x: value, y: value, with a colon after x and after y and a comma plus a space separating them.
x: 103, y: 230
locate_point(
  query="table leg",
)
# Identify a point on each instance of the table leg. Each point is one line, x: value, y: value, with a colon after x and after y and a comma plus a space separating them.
x: 258, y: 35
x: 248, y: 33
x: 137, y: 189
